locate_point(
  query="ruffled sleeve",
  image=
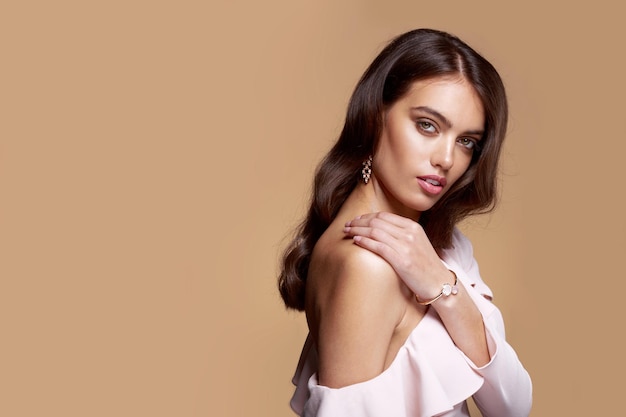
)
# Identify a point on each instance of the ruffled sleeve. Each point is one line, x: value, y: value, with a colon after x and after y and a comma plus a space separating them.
x: 507, y: 387
x: 428, y: 377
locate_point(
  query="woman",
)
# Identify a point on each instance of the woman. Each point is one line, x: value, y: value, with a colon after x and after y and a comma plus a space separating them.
x: 401, y: 324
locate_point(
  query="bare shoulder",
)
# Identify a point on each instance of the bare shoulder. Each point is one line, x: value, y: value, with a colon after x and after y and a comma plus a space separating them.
x: 341, y: 270
x: 355, y: 301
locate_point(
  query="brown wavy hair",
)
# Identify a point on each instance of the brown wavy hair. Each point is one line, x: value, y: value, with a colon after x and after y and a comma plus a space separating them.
x: 412, y: 56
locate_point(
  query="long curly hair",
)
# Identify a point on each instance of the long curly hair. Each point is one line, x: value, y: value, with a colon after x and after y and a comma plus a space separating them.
x: 412, y: 56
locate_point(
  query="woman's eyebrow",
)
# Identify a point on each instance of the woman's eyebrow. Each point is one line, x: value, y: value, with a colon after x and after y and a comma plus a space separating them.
x: 444, y: 119
x: 435, y: 114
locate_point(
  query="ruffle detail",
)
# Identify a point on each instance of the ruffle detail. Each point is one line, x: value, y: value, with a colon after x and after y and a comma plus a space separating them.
x: 429, y: 376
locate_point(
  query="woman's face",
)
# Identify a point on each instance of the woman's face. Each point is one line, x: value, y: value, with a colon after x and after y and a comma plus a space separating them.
x: 427, y: 142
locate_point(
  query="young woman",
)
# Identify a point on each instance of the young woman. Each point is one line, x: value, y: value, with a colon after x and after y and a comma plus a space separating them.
x: 401, y: 323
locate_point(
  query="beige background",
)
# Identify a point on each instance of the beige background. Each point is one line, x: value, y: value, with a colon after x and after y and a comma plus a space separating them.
x: 155, y: 154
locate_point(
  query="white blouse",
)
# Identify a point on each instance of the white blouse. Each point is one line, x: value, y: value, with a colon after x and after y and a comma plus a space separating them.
x: 429, y: 376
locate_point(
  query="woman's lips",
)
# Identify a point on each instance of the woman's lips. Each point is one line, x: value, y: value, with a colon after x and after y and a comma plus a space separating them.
x: 432, y: 184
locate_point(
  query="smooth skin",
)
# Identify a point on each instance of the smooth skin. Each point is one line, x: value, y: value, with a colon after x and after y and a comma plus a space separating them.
x: 374, y: 258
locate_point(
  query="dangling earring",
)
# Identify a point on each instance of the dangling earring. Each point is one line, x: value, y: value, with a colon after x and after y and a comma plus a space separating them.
x: 366, y: 172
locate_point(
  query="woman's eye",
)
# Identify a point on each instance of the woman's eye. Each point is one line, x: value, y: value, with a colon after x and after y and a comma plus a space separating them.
x: 427, y: 126
x: 468, y: 143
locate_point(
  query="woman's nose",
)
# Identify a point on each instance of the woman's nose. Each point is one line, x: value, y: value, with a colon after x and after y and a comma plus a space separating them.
x: 443, y: 153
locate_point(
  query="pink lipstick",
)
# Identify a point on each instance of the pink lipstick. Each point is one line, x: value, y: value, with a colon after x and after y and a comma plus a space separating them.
x: 432, y: 184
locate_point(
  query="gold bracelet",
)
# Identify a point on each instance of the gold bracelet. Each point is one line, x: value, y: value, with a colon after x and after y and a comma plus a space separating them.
x: 446, y: 290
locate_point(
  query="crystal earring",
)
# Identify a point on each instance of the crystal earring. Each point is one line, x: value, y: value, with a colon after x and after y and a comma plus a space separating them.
x: 366, y: 172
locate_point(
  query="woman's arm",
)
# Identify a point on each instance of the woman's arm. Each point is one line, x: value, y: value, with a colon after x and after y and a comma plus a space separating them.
x: 403, y: 243
x: 507, y: 390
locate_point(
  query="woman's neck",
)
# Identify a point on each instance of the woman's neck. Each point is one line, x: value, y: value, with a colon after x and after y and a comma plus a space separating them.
x: 372, y: 198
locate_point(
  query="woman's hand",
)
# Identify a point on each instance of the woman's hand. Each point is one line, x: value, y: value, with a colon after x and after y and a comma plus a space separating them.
x: 403, y: 243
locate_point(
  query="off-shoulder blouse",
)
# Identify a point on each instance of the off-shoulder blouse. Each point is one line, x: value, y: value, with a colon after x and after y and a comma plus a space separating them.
x: 429, y: 376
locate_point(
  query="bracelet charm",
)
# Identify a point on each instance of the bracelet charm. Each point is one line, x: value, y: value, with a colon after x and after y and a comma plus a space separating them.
x: 447, y: 290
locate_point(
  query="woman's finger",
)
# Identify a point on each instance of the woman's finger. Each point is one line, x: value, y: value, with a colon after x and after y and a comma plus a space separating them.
x: 399, y: 227
x: 367, y: 227
x: 381, y: 249
x: 390, y: 218
x: 383, y: 234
